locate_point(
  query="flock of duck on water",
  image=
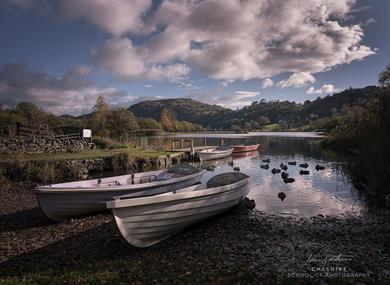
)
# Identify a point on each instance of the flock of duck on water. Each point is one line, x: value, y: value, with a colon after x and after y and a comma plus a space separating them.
x: 283, y: 171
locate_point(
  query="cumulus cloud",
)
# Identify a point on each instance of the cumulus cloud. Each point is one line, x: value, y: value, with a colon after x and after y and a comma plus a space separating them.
x: 122, y: 59
x: 268, y: 82
x: 324, y: 89
x: 297, y: 80
x: 119, y: 57
x: 236, y: 40
x: 70, y: 94
x: 235, y: 100
x: 116, y: 17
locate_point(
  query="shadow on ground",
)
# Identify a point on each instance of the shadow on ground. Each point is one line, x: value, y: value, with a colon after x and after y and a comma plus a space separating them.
x: 26, y: 219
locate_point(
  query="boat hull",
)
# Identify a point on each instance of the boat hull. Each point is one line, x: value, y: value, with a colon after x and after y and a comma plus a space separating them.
x: 245, y: 148
x: 211, y: 155
x: 62, y: 205
x: 150, y: 223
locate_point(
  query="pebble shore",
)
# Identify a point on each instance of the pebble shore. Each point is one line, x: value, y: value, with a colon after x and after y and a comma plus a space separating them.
x: 237, y: 247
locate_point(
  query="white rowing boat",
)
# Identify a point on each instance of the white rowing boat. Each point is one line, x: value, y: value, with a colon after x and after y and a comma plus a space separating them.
x: 144, y: 222
x: 215, y: 153
x: 67, y: 200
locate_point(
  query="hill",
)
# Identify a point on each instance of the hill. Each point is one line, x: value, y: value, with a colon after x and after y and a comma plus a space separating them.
x: 184, y: 109
x: 259, y: 113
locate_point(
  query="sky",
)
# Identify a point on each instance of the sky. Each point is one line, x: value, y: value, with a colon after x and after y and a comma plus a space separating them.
x: 63, y: 54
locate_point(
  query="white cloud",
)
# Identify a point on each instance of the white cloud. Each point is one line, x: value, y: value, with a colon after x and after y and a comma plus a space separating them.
x: 268, y: 82
x: 297, y: 80
x: 119, y: 57
x: 148, y: 85
x: 116, y: 17
x: 324, y: 89
x: 69, y: 94
x: 231, y: 40
x: 172, y: 72
x: 237, y: 99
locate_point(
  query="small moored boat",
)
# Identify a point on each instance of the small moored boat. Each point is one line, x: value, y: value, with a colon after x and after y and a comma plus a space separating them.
x: 67, y: 200
x: 215, y: 153
x: 245, y: 148
x: 144, y: 222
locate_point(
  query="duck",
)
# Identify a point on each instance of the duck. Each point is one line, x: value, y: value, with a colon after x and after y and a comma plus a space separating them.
x: 236, y: 169
x: 281, y: 196
x: 275, y: 170
x: 319, y: 167
x: 304, y: 172
x: 283, y: 166
x: 231, y: 163
x: 284, y: 175
x: 267, y: 160
x: 288, y: 180
x: 292, y: 163
x: 304, y: 165
x: 264, y: 166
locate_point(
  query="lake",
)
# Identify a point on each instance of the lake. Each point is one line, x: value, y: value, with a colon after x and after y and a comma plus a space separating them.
x: 327, y: 192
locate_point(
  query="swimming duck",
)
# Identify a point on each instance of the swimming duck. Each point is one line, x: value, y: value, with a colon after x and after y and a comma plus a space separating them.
x: 283, y: 166
x: 304, y: 165
x: 289, y: 180
x: 264, y: 166
x: 284, y: 175
x: 267, y: 160
x: 231, y: 163
x: 319, y: 167
x: 304, y: 172
x: 281, y: 196
x: 275, y: 170
x: 292, y: 163
x: 236, y: 169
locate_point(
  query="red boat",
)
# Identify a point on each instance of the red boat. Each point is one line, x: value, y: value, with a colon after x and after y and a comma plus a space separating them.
x: 245, y: 148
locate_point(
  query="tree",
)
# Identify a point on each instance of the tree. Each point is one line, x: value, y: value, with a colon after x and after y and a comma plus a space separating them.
x: 149, y: 124
x: 122, y: 123
x: 167, y: 119
x: 263, y: 120
x: 100, y: 116
x: 34, y: 115
x: 384, y: 77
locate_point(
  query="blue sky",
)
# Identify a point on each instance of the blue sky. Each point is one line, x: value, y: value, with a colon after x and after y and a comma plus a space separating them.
x: 62, y: 54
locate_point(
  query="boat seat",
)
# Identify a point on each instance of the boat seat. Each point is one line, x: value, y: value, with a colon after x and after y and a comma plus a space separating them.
x: 108, y: 183
x: 141, y: 180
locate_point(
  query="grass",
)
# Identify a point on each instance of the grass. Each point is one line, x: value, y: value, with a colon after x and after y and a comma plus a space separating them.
x: 86, y: 154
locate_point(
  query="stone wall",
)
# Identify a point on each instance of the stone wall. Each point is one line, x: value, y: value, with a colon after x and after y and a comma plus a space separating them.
x: 40, y: 145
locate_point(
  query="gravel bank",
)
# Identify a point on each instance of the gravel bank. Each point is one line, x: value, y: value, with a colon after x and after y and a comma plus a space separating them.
x: 236, y: 247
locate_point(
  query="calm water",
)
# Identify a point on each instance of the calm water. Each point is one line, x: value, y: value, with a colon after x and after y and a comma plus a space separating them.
x: 325, y: 192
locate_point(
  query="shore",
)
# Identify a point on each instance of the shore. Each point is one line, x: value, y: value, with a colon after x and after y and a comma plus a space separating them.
x: 246, y: 247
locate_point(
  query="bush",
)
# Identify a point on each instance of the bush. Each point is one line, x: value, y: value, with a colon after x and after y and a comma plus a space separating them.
x: 107, y: 143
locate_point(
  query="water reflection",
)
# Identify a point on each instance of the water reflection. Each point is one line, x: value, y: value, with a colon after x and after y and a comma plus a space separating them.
x: 326, y: 192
